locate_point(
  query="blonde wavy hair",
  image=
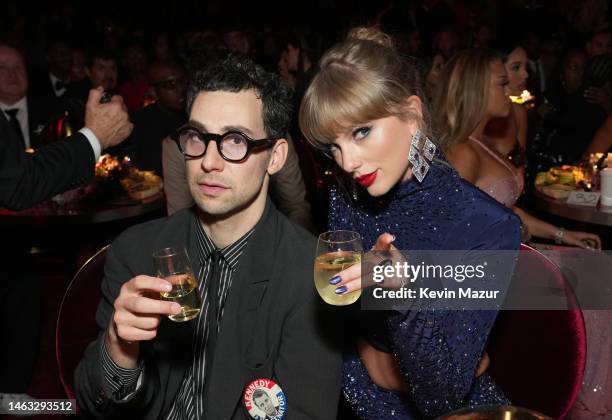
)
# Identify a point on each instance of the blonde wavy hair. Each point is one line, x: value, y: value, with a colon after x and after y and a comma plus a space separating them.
x: 460, y: 100
x: 363, y: 78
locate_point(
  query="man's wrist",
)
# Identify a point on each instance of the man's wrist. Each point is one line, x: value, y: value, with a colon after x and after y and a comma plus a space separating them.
x: 93, y: 141
x: 124, y: 353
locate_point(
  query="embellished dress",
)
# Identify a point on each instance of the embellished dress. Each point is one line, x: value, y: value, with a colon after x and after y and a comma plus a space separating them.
x: 438, y: 351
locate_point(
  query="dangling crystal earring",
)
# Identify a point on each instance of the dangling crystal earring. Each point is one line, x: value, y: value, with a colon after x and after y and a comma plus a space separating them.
x: 419, y: 160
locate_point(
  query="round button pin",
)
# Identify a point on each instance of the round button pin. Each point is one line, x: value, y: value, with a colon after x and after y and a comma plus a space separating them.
x: 265, y: 400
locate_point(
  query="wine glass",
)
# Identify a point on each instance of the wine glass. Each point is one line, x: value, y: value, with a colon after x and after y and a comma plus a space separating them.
x: 336, y: 251
x: 172, y: 264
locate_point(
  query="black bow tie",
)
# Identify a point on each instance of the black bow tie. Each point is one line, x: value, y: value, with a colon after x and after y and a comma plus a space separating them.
x: 59, y: 85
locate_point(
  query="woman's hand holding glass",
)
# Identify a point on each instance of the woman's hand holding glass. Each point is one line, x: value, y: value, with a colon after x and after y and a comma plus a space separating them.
x: 350, y: 280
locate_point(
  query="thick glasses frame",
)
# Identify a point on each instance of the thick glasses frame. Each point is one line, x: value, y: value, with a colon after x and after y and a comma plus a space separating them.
x: 252, y: 144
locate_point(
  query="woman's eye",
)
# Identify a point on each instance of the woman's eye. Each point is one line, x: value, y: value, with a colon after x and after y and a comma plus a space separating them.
x: 361, y: 132
x: 332, y: 149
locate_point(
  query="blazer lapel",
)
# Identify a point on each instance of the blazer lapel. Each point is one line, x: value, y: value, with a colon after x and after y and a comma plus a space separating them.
x: 229, y: 374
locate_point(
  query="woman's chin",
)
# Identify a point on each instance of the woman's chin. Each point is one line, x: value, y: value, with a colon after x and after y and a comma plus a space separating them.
x: 377, y: 190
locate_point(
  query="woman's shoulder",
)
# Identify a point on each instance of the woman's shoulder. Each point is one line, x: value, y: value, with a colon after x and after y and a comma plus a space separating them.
x: 469, y: 201
x: 465, y: 158
x: 481, y: 216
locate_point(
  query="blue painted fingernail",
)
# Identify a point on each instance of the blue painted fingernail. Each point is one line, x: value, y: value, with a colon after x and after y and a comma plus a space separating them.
x: 340, y: 290
x: 335, y: 280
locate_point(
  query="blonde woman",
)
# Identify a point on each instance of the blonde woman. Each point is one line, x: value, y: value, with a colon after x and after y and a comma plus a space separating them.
x: 472, y: 94
x: 461, y: 108
x: 365, y: 108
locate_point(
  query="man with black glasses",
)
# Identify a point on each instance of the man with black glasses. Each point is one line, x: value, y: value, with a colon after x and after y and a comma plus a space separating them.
x: 260, y: 326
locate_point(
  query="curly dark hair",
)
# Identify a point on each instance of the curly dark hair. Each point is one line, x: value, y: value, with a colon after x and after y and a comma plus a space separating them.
x: 236, y: 73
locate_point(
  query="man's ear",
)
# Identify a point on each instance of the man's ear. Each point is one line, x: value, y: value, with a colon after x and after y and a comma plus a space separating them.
x: 278, y: 156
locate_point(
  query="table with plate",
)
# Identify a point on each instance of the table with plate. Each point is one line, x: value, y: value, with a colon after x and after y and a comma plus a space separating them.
x: 569, y: 196
x: 598, y: 215
x: 566, y: 192
x: 84, y: 219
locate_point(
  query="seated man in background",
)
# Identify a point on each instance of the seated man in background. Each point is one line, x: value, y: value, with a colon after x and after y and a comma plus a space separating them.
x: 102, y: 71
x: 153, y: 123
x: 26, y: 115
x: 260, y: 318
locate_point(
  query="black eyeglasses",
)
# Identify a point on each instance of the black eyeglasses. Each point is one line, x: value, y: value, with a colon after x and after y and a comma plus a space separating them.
x: 233, y: 146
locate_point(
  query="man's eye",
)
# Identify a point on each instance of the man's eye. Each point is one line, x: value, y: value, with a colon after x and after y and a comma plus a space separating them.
x: 361, y: 132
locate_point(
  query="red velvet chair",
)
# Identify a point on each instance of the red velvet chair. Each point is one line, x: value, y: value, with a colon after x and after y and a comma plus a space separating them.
x: 538, y: 356
x: 76, y: 324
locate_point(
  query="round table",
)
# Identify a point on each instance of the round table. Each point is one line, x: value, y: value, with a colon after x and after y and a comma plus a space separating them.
x: 600, y: 215
x: 84, y: 212
x: 77, y: 228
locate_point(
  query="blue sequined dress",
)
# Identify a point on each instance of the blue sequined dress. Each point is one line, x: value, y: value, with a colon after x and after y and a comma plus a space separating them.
x: 437, y: 351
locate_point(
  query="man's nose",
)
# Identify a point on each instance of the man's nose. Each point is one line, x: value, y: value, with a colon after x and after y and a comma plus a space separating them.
x: 212, y: 160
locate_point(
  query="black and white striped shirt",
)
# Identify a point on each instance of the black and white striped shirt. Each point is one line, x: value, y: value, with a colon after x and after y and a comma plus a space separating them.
x: 189, y: 401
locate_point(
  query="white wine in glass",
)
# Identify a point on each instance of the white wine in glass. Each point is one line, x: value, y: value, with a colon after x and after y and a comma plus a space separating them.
x: 173, y: 265
x: 336, y: 251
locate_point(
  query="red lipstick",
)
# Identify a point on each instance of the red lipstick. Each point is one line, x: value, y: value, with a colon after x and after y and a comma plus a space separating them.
x: 367, y: 179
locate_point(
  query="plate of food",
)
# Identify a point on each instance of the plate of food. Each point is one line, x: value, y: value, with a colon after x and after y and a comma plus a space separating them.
x: 559, y: 181
x: 140, y: 185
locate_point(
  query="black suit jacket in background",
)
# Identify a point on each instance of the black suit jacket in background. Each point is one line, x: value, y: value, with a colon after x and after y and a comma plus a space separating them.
x: 152, y: 125
x: 274, y: 326
x: 27, y: 179
x: 41, y: 113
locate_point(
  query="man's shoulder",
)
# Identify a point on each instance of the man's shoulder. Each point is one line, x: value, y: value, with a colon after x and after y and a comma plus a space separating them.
x: 292, y: 233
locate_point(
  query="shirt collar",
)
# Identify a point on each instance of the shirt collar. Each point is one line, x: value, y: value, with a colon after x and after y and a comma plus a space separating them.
x: 21, y: 104
x: 230, y: 254
x: 55, y: 79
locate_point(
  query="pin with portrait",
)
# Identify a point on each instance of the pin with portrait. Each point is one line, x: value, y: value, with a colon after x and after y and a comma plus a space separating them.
x: 265, y: 400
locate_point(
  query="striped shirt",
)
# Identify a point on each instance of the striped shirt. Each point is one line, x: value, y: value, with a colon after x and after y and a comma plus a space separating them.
x: 189, y: 400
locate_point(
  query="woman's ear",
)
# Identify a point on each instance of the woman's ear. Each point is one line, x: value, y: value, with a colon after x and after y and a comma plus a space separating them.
x: 414, y: 107
x: 278, y: 156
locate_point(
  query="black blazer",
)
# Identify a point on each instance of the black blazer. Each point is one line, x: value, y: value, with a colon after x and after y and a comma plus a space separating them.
x: 273, y: 326
x: 27, y: 179
x: 41, y: 113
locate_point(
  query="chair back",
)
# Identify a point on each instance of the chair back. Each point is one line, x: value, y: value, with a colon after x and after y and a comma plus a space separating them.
x: 538, y: 356
x: 76, y: 322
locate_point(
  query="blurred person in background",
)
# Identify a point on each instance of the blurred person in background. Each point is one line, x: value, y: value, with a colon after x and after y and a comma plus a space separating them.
x: 432, y: 69
x: 570, y: 120
x: 134, y: 89
x: 27, y: 114
x: 446, y: 43
x: 477, y: 80
x: 79, y: 63
x: 168, y: 83
x: 51, y: 85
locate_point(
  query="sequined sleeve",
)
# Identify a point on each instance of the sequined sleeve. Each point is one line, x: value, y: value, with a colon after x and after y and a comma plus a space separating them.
x: 438, y: 351
x: 339, y: 212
